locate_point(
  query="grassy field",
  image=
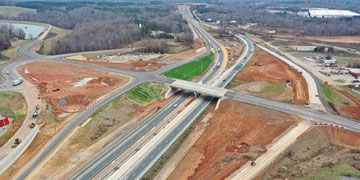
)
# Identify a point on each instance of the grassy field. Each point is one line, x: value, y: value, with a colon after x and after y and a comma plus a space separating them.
x: 348, y: 89
x: 191, y: 70
x: 12, y: 103
x: 147, y: 93
x: 11, y: 53
x: 59, y: 33
x: 14, y: 11
x: 234, y: 83
x: 336, y: 98
x: 333, y: 172
x: 314, y: 157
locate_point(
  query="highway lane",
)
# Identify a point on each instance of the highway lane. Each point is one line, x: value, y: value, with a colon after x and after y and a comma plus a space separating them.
x: 155, y: 153
x: 139, y: 78
x: 77, y: 121
x: 110, y: 153
x: 142, y: 167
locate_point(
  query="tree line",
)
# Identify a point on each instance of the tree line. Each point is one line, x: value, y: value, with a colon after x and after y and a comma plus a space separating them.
x: 99, y: 35
x: 8, y: 32
x: 247, y: 12
x: 106, y: 25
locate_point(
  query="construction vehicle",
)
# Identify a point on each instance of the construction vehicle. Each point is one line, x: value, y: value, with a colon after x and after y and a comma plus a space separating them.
x: 253, y: 163
x: 16, y: 143
x: 32, y: 125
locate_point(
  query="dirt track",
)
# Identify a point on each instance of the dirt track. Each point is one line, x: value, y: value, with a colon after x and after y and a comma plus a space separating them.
x: 65, y: 86
x: 274, y: 71
x: 236, y: 134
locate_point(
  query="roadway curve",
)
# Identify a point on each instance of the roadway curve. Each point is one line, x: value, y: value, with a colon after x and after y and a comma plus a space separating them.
x: 138, y: 78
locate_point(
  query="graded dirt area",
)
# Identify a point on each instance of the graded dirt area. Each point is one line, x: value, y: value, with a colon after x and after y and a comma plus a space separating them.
x: 235, y: 134
x: 91, y: 138
x: 343, y: 101
x: 354, y: 111
x: 265, y: 67
x: 69, y: 88
x: 132, y: 61
x: 320, y: 153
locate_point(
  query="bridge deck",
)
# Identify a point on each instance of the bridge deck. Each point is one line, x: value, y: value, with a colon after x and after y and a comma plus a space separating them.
x: 200, y: 88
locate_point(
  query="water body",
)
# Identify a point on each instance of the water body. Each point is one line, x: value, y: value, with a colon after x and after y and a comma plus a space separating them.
x: 31, y: 31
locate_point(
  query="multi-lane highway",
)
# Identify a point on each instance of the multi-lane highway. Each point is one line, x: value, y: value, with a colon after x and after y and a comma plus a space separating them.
x: 110, y: 153
x: 138, y: 78
x: 214, y: 77
x: 152, y: 154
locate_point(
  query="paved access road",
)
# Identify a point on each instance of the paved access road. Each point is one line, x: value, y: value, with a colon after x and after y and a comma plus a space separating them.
x: 138, y: 78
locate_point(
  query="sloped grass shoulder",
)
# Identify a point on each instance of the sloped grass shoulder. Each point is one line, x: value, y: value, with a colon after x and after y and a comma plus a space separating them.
x: 191, y: 70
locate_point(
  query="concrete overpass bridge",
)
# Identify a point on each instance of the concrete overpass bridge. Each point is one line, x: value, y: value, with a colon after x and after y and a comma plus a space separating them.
x: 222, y: 93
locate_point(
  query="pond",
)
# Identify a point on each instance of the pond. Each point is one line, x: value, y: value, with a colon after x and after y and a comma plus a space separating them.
x: 31, y: 31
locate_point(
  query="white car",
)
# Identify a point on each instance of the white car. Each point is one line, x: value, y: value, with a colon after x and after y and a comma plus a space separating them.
x: 175, y: 105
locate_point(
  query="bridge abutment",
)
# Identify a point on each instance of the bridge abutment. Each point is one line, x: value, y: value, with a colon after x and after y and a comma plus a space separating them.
x: 171, y: 91
x: 218, y: 103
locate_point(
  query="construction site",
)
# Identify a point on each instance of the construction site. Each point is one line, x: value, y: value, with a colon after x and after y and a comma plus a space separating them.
x: 323, y: 152
x: 70, y: 88
x: 267, y: 76
x: 134, y: 59
x: 222, y: 143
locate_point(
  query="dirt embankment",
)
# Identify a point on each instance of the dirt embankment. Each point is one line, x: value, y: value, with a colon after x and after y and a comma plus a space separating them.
x: 235, y: 135
x: 320, y: 153
x: 341, y: 137
x: 265, y: 67
x: 69, y: 88
x: 177, y: 52
x: 354, y: 111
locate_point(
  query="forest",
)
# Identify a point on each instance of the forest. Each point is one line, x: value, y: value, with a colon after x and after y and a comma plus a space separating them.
x: 8, y: 32
x: 245, y: 12
x: 105, y: 25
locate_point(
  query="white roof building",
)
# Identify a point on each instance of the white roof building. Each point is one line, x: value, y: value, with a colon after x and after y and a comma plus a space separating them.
x: 331, y: 13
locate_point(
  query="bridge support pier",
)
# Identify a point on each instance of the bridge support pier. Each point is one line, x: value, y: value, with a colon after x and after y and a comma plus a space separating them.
x: 196, y: 95
x: 171, y: 91
x: 218, y: 103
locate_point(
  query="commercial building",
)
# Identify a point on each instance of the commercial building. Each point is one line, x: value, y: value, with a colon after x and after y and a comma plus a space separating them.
x: 331, y: 13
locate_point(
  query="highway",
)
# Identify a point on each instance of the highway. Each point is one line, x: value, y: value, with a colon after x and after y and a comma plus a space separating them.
x: 109, y: 154
x: 153, y: 154
x: 138, y: 78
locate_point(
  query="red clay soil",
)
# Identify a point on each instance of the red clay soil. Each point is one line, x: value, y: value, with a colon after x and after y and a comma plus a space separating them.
x: 353, y: 111
x: 275, y: 71
x: 341, y: 136
x: 57, y: 81
x: 137, y: 66
x: 237, y: 133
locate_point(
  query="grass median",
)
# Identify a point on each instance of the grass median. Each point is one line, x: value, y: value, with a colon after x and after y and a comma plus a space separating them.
x: 191, y: 70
